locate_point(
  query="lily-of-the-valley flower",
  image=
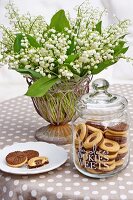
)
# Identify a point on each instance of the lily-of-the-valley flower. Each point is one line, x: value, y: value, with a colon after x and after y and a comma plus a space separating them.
x: 64, y: 49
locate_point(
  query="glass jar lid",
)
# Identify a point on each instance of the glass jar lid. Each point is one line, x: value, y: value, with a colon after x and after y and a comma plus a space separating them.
x: 100, y: 102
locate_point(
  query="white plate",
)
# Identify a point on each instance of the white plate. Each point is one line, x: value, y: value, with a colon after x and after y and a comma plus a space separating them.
x: 56, y: 155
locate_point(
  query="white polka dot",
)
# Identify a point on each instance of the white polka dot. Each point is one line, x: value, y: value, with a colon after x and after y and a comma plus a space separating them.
x: 130, y: 191
x: 103, y: 188
x: 127, y: 174
x: 85, y: 179
x: 50, y: 180
x: 105, y: 197
x: 32, y: 180
x: 76, y: 184
x: 10, y: 193
x: 120, y: 179
x: 77, y: 193
x: 24, y: 187
x: 41, y: 184
x: 43, y: 198
x: 113, y: 192
x: 59, y: 195
x: 42, y: 176
x: 68, y: 188
x: 85, y: 188
x: 94, y: 192
x: 58, y: 184
x: 67, y: 172
x: 86, y: 198
x: 93, y: 183
x: 111, y: 183
x: 123, y: 197
x: 8, y: 178
x: 76, y: 175
x: 33, y: 193
x: 4, y: 189
x: 121, y: 187
x: 49, y: 189
x: 59, y: 176
x: 68, y: 180
x: 16, y: 182
x: 67, y: 164
x: 129, y: 183
x: 20, y: 197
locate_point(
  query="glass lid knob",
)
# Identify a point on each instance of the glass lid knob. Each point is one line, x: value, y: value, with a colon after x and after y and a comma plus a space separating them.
x: 100, y: 84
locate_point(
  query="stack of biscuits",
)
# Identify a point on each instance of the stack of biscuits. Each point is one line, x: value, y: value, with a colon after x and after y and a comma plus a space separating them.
x: 100, y: 149
x: 28, y: 158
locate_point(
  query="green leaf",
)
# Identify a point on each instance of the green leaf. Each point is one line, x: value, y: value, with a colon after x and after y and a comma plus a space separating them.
x: 103, y: 66
x: 71, y: 48
x: 124, y: 50
x: 83, y: 72
x: 59, y: 21
x: 33, y: 41
x: 119, y: 47
x: 41, y: 86
x: 71, y: 58
x: 122, y: 37
x: 30, y: 72
x: 99, y: 27
x: 17, y: 43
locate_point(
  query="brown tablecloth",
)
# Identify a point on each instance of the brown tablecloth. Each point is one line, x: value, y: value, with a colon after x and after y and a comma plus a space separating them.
x: 18, y: 121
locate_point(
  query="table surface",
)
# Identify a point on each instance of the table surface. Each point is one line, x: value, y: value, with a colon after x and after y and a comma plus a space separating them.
x: 18, y: 121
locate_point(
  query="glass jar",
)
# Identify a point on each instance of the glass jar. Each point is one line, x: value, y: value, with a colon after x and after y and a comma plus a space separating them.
x: 100, y: 132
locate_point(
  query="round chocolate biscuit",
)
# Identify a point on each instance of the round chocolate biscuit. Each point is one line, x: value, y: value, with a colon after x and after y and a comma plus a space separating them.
x: 122, y: 153
x: 121, y: 127
x: 116, y: 138
x: 31, y: 154
x: 16, y: 159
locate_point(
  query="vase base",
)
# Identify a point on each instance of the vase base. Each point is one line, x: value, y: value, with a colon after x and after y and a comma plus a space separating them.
x: 60, y: 134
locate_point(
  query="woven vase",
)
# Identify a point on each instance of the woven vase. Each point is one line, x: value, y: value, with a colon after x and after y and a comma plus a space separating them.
x: 57, y: 107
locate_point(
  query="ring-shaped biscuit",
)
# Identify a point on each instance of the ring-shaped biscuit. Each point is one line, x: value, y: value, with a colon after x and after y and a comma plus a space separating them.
x: 123, y: 133
x: 108, y: 168
x: 91, y: 128
x: 105, y: 162
x: 119, y: 163
x: 81, y: 131
x: 108, y: 156
x: 93, y: 171
x: 93, y: 140
x: 109, y: 145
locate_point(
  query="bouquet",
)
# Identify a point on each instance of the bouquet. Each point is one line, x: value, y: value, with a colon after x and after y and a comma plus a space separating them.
x: 65, y: 49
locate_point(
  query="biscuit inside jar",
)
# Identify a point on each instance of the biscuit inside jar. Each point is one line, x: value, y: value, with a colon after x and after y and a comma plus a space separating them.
x: 93, y: 140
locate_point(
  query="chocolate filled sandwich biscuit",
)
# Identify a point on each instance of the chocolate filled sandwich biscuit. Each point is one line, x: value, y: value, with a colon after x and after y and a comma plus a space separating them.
x: 37, y: 162
x: 16, y: 159
x: 31, y: 154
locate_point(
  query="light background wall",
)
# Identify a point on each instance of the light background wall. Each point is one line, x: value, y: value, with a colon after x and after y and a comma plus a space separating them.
x: 12, y: 84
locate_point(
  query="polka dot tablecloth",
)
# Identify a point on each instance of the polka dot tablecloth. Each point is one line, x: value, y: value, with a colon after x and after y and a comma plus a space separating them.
x: 18, y: 121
